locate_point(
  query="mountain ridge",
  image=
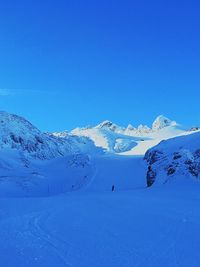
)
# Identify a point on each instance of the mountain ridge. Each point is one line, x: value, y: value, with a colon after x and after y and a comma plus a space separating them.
x: 31, y: 161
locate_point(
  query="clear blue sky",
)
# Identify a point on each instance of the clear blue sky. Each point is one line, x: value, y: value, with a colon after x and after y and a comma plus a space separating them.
x: 69, y: 63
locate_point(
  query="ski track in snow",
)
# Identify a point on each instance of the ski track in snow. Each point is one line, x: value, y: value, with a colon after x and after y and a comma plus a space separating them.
x: 37, y: 228
x: 61, y: 227
x: 93, y: 227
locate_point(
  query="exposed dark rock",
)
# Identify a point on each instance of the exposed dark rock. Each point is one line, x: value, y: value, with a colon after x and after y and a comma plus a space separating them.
x: 177, y: 155
x: 193, y: 129
x: 152, y: 156
x: 188, y: 162
x: 197, y: 154
x: 171, y: 170
x: 151, y: 176
x: 39, y: 139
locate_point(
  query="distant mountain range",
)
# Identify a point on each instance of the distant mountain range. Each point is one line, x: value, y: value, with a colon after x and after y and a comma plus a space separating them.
x: 130, y: 140
x: 36, y: 163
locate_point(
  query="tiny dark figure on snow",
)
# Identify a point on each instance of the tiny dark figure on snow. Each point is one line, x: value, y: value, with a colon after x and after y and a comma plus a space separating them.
x: 113, y: 188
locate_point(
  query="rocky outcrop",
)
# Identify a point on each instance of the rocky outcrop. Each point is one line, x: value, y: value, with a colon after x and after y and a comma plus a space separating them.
x: 174, y: 158
x: 19, y: 134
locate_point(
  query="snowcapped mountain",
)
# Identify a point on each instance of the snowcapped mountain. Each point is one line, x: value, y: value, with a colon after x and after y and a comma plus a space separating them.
x: 108, y: 139
x: 109, y: 126
x: 19, y: 134
x: 173, y: 159
x: 162, y: 122
x: 34, y: 163
x: 130, y: 140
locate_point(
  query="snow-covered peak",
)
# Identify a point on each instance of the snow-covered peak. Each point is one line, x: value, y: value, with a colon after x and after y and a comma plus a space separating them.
x: 62, y: 134
x: 143, y: 129
x: 110, y: 126
x: 107, y: 125
x: 19, y: 134
x: 107, y: 135
x: 162, y: 122
x: 10, y: 122
x: 16, y: 133
x: 130, y: 128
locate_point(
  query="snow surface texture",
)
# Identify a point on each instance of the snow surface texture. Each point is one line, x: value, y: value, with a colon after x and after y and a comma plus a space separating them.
x: 141, y: 228
x: 29, y: 158
x: 75, y: 220
x: 174, y: 159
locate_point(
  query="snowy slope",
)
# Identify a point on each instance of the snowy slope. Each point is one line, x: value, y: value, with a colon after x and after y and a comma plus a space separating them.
x: 107, y: 139
x: 155, y: 137
x: 174, y: 159
x: 142, y: 228
x: 29, y: 159
x: 19, y: 134
x: 33, y: 163
x: 130, y: 140
x: 70, y: 173
x: 88, y: 225
x: 125, y: 173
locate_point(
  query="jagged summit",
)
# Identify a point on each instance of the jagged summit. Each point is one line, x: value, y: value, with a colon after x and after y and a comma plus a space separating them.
x: 108, y: 125
x: 159, y: 123
x: 19, y: 134
x: 105, y: 123
x: 143, y: 129
x: 130, y: 128
x: 110, y: 136
x: 162, y: 122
